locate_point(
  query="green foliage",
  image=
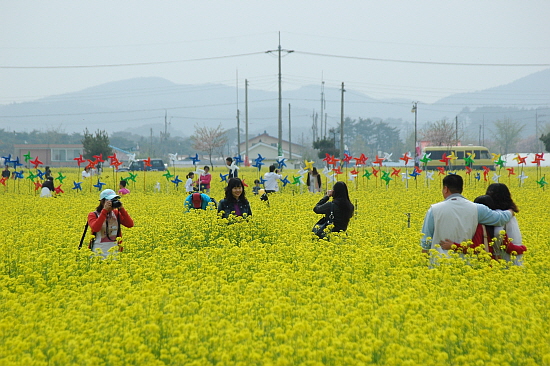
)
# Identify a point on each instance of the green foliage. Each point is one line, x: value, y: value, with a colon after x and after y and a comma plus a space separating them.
x: 546, y: 141
x: 325, y: 146
x: 370, y: 137
x: 95, y: 144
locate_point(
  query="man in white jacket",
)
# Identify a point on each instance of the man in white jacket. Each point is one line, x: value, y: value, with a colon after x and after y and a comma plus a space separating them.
x: 456, y: 218
x: 271, y: 178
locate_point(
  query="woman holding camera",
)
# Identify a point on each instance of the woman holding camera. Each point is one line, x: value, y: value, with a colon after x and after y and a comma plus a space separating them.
x: 105, y: 222
x: 341, y: 209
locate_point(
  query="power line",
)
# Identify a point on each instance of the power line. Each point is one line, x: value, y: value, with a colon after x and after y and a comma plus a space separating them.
x: 132, y: 64
x: 418, y: 62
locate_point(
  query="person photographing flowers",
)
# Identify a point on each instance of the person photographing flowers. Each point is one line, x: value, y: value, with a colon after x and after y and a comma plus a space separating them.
x: 338, y: 212
x: 105, y: 222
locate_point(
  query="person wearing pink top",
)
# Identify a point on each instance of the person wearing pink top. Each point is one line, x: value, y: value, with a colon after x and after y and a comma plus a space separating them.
x: 205, y: 179
x: 122, y: 190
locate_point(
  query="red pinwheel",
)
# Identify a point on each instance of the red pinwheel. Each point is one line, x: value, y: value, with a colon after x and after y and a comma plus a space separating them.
x: 147, y: 162
x: 112, y: 157
x: 99, y: 158
x: 417, y: 170
x: 354, y: 171
x: 347, y: 158
x: 3, y: 181
x: 244, y: 184
x: 441, y: 170
x: 378, y: 160
x: 468, y: 170
x: 337, y: 170
x: 375, y: 172
x: 58, y: 189
x: 405, y: 158
x: 327, y: 157
x: 330, y: 159
x: 485, y: 172
x: 37, y: 185
x: 80, y: 160
x: 36, y: 163
x: 396, y: 172
x: 362, y: 160
x: 116, y: 164
x: 538, y: 159
x: 445, y: 159
x: 91, y: 164
x: 520, y: 159
x: 511, y: 171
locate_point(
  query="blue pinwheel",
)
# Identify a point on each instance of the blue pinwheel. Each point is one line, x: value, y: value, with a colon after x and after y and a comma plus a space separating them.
x: 223, y: 177
x: 262, y: 180
x: 99, y: 184
x: 478, y: 176
x: 237, y: 159
x: 195, y: 159
x: 414, y: 174
x: 281, y: 162
x: 77, y: 185
x: 176, y: 180
x: 16, y: 163
x: 285, y: 181
x: 40, y: 174
x: 7, y: 159
x: 19, y: 174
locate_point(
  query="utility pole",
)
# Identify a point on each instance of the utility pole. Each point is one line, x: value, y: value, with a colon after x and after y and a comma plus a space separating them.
x: 238, y: 133
x: 414, y: 110
x: 280, y: 124
x: 322, y: 135
x: 246, y: 117
x: 238, y: 117
x: 456, y: 130
x: 342, y: 124
x: 289, y: 135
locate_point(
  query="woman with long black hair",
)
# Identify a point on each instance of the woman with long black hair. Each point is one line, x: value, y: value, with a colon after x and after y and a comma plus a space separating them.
x: 235, y: 202
x: 512, y: 241
x: 341, y: 207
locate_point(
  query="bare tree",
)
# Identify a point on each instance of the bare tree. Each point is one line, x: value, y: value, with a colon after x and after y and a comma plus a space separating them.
x: 440, y: 133
x: 507, y: 134
x: 208, y: 140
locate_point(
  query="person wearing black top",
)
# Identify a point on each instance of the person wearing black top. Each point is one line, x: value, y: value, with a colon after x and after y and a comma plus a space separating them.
x: 235, y: 202
x: 341, y: 207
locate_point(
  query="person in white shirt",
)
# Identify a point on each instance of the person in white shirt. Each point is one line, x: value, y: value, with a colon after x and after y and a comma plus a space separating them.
x: 189, y: 188
x: 86, y: 173
x: 271, y: 178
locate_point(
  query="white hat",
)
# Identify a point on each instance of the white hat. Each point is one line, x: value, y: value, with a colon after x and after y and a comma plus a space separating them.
x: 108, y: 194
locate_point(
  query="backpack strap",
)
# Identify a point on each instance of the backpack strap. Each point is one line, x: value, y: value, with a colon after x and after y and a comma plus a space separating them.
x: 85, y: 230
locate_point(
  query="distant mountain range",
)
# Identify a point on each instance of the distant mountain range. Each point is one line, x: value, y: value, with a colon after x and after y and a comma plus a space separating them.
x: 142, y: 105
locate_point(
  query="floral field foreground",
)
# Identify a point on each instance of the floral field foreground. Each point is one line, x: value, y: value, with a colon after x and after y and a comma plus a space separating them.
x: 190, y: 289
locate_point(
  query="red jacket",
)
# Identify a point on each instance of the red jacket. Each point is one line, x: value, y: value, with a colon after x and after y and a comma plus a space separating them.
x: 96, y: 222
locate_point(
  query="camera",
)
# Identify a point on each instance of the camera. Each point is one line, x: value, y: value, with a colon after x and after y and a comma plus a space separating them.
x: 115, y: 203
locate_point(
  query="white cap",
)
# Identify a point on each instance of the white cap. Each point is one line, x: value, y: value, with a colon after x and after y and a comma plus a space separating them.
x: 108, y: 194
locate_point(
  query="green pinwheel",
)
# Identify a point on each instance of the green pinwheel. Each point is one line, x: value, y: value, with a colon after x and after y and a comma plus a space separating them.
x: 386, y: 177
x: 367, y: 174
x: 167, y: 175
x: 132, y: 177
x: 542, y: 182
x: 60, y: 177
x: 27, y: 156
x: 426, y: 158
x: 500, y: 162
x: 31, y: 176
x: 469, y: 159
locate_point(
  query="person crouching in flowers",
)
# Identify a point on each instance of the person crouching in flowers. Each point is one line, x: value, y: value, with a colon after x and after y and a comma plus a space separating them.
x: 105, y: 223
x: 234, y: 202
x: 340, y: 207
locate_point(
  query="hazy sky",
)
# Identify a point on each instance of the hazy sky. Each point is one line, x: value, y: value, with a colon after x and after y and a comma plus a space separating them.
x: 170, y: 35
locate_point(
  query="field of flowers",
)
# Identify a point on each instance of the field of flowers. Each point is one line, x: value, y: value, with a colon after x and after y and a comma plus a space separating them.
x: 191, y: 290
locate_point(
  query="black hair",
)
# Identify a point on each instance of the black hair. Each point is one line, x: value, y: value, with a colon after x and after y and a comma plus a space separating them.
x: 189, y: 175
x: 229, y: 160
x: 502, y: 197
x: 454, y: 183
x: 256, y: 181
x: 232, y: 183
x: 314, y: 171
x: 486, y: 200
x: 340, y: 196
x: 123, y: 183
x: 206, y: 167
x: 272, y: 168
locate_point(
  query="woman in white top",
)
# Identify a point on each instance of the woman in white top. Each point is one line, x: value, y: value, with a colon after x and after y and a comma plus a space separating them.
x: 502, y: 198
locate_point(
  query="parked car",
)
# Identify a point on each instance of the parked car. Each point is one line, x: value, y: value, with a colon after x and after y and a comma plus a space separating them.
x: 156, y: 165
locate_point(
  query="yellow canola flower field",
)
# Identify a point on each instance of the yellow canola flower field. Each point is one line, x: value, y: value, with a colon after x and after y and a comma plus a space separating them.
x: 189, y: 289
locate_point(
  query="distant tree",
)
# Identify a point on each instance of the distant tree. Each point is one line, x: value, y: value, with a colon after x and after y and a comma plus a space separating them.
x: 546, y: 141
x: 209, y: 140
x: 439, y: 133
x: 326, y: 146
x: 95, y: 144
x: 507, y: 134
